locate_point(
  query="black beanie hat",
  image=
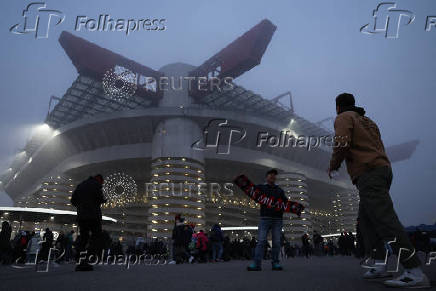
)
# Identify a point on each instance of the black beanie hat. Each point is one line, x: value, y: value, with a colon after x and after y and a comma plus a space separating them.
x: 345, y: 99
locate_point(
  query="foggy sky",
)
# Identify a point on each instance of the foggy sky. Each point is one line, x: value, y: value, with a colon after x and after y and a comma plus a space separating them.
x: 316, y: 52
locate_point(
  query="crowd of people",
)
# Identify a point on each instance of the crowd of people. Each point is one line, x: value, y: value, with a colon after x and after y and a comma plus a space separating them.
x: 188, y: 246
x: 30, y: 247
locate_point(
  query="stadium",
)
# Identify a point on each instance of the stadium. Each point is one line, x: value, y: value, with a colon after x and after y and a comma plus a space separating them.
x: 116, y: 121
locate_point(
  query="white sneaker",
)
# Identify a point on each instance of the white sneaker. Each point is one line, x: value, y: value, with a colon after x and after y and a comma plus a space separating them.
x: 376, y: 273
x: 409, y: 280
x: 172, y: 262
x: 191, y: 258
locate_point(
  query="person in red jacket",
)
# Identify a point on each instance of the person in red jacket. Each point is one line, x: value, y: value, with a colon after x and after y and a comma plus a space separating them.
x: 201, y: 246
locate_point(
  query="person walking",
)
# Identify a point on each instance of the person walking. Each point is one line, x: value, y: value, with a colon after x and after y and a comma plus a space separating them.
x: 32, y: 248
x: 47, y: 244
x: 69, y: 246
x: 270, y: 219
x: 305, y: 240
x: 217, y: 243
x: 359, y: 143
x: 179, y: 241
x: 87, y: 198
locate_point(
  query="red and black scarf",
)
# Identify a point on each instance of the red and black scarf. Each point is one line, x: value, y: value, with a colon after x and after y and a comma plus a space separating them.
x: 254, y: 193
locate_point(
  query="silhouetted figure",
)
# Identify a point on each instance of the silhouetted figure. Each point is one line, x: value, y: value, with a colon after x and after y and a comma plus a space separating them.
x: 87, y: 198
x: 180, y: 240
x: 47, y: 243
x: 69, y: 246
x: 216, y: 238
x: 306, y: 245
x: 5, y: 243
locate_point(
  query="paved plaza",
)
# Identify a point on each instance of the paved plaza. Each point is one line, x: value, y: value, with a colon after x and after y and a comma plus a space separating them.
x: 317, y: 273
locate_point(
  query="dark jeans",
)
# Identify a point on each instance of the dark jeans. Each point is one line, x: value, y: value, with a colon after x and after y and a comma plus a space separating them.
x: 89, y: 229
x: 217, y: 250
x: 180, y: 253
x: 265, y: 224
x: 378, y: 221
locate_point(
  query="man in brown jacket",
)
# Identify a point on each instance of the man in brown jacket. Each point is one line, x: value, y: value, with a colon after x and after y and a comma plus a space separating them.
x: 370, y: 170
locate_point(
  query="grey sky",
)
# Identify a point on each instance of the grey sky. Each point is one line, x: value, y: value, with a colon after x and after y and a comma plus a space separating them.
x: 316, y: 52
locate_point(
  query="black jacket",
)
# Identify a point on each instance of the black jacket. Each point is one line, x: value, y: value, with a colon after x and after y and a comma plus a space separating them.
x: 179, y: 234
x: 272, y: 191
x: 87, y: 198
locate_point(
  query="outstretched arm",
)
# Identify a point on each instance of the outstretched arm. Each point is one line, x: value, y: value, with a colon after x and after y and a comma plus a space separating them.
x: 343, y: 132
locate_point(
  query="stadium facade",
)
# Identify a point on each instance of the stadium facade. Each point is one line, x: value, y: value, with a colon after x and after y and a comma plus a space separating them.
x: 141, y: 137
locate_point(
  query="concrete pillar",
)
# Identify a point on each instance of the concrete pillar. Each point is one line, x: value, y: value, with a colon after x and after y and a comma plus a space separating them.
x: 345, y: 208
x: 177, y: 169
x: 295, y: 189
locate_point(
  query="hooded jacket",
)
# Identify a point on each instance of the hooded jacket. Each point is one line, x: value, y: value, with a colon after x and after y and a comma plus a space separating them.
x: 360, y: 144
x: 202, y: 241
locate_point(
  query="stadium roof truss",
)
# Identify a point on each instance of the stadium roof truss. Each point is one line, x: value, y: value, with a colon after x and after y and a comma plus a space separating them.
x: 86, y: 98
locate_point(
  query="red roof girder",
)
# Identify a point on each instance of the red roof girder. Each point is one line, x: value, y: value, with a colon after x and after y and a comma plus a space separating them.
x: 94, y: 61
x: 238, y: 57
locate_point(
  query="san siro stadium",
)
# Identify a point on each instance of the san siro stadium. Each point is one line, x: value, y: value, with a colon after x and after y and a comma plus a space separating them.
x: 176, y: 149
